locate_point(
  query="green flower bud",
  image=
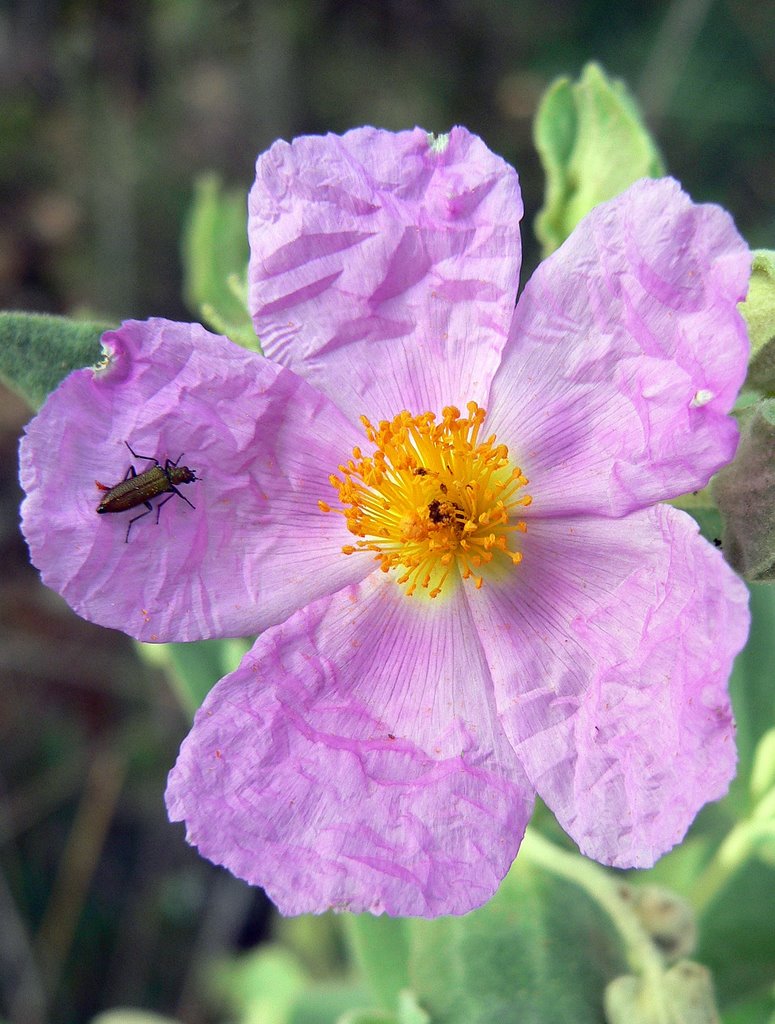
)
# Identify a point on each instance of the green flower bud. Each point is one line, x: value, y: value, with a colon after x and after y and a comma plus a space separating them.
x: 667, y: 918
x: 684, y: 993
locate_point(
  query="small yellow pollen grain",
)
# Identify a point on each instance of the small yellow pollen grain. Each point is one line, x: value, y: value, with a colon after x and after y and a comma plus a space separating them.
x: 432, y: 500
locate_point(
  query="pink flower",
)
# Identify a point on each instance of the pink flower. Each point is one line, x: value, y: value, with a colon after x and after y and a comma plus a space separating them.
x: 455, y: 612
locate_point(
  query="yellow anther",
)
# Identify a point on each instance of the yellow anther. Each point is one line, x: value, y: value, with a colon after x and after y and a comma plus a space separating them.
x: 432, y: 501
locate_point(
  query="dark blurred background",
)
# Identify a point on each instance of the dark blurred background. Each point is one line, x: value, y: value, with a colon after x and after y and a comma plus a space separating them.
x: 108, y: 112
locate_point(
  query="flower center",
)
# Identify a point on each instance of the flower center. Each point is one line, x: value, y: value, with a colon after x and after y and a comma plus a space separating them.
x: 432, y: 498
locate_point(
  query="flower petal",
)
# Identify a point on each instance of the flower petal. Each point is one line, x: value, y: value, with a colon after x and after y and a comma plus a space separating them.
x: 610, y: 649
x: 384, y: 266
x: 354, y: 761
x: 254, y: 549
x: 625, y: 355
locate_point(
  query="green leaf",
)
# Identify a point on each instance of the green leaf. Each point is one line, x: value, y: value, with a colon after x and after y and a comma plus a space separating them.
x: 130, y: 1016
x: 710, y: 524
x: 751, y: 689
x: 368, y: 1017
x: 328, y: 1002
x: 541, y: 950
x: 679, y: 868
x: 38, y: 351
x: 593, y: 145
x: 758, y: 1010
x: 759, y: 312
x: 409, y: 1010
x: 701, y: 506
x: 262, y: 987
x: 745, y: 493
x: 215, y: 256
x: 737, y: 938
x: 381, y: 950
x: 317, y: 940
x: 763, y: 770
x: 195, y: 668
x: 695, y: 501
x: 271, y: 986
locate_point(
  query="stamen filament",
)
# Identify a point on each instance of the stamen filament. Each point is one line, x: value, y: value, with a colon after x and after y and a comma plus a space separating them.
x: 432, y: 497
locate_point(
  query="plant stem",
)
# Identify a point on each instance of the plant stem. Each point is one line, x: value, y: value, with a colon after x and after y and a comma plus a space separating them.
x: 642, y: 955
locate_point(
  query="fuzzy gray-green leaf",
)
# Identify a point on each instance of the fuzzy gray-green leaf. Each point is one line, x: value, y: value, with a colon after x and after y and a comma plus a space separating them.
x: 38, y: 351
x: 745, y: 493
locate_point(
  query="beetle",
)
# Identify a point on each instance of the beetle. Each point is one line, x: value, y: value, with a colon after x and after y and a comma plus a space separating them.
x: 139, y: 488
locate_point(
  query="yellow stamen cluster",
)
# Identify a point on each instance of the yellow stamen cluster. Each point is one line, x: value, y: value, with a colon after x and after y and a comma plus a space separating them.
x: 432, y: 497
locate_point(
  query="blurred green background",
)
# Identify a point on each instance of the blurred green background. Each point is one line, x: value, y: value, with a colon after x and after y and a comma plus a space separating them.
x: 108, y: 113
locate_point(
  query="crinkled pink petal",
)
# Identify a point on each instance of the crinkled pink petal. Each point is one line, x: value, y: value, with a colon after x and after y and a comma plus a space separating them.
x: 256, y: 546
x: 384, y: 266
x: 354, y: 761
x: 610, y: 649
x: 625, y: 355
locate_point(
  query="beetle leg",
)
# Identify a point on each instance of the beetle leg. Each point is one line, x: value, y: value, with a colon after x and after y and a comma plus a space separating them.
x: 148, y: 458
x: 131, y: 472
x: 161, y: 505
x: 176, y: 491
x: 169, y: 462
x: 148, y: 505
